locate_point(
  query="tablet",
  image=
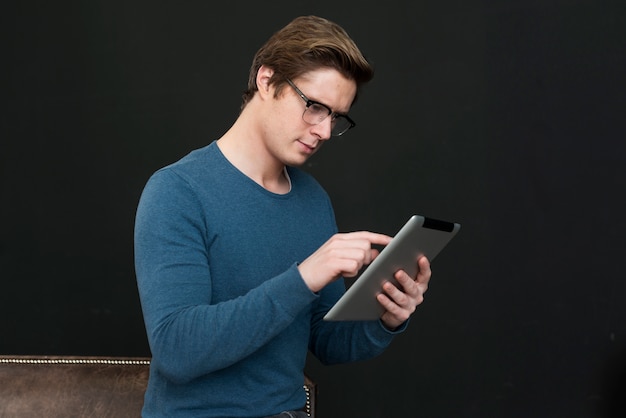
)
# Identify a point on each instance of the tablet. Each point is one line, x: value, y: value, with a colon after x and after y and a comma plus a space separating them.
x: 419, y: 236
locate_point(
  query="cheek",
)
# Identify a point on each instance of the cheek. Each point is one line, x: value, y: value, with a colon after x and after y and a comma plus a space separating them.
x: 289, y: 123
x: 280, y: 117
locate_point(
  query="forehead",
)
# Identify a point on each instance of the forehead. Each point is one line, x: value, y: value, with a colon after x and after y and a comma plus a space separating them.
x: 329, y: 87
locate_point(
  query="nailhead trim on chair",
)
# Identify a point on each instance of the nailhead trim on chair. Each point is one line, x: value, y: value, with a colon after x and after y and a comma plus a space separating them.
x: 308, y: 400
x: 72, y: 361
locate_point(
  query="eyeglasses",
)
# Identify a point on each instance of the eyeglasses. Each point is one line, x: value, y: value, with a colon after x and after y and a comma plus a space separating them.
x: 315, y: 113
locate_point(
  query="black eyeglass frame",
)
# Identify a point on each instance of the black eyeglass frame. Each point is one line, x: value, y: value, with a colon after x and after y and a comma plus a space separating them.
x: 333, y: 115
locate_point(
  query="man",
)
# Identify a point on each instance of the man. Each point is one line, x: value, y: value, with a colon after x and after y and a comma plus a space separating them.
x: 237, y: 252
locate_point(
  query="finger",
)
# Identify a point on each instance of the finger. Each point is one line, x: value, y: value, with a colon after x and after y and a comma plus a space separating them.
x: 392, y: 309
x: 355, y: 258
x: 349, y: 268
x: 399, y: 297
x: 361, y: 241
x: 408, y: 283
x: 373, y: 254
x: 350, y: 241
x: 413, y: 290
x: 424, y: 273
x: 360, y: 255
x: 371, y: 237
x: 388, y: 303
x: 385, y: 301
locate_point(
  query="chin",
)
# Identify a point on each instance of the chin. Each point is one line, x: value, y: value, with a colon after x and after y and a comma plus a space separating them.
x: 296, y: 160
x: 296, y: 163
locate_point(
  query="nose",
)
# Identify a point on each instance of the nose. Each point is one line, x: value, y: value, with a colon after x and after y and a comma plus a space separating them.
x: 323, y: 129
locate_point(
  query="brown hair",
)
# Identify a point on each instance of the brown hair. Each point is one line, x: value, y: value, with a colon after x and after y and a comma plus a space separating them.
x: 306, y: 44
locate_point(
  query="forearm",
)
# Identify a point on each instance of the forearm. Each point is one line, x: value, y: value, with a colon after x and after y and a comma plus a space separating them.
x: 345, y: 341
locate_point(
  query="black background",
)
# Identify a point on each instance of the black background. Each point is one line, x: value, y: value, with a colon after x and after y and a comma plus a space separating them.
x: 505, y: 116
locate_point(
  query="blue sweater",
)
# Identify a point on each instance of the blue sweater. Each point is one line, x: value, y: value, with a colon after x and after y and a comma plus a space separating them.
x: 228, y: 317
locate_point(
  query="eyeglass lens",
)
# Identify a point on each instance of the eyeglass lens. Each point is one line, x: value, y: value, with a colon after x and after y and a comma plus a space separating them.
x: 316, y: 113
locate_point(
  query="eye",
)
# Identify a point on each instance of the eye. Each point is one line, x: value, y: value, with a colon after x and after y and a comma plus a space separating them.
x: 318, y: 110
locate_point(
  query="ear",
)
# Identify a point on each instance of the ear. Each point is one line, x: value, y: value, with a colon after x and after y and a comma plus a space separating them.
x: 263, y: 77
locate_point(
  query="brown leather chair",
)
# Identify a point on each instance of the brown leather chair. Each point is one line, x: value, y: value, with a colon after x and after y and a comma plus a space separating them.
x: 70, y: 386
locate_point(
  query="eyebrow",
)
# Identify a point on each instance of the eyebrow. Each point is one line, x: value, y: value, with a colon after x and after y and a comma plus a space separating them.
x: 304, y: 96
x: 332, y: 112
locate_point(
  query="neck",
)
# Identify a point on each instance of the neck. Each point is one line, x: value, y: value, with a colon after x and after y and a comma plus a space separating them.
x: 242, y: 146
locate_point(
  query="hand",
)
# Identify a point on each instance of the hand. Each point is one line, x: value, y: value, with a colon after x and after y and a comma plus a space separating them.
x: 400, y: 302
x: 342, y: 255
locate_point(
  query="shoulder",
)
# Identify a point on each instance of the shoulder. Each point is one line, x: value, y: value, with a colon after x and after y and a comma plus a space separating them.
x: 196, y: 162
x: 196, y: 167
x: 171, y: 182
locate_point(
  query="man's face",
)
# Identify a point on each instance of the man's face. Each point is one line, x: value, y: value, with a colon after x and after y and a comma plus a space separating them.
x: 289, y: 137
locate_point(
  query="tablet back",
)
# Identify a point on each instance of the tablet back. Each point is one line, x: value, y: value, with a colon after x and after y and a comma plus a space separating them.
x: 419, y: 236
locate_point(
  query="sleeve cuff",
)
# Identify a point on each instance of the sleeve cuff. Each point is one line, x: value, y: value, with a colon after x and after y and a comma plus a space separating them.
x: 398, y: 330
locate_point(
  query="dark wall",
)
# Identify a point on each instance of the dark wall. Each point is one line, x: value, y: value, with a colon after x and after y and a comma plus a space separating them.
x: 507, y: 117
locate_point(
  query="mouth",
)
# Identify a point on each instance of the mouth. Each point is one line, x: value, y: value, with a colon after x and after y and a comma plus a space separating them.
x: 309, y: 149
